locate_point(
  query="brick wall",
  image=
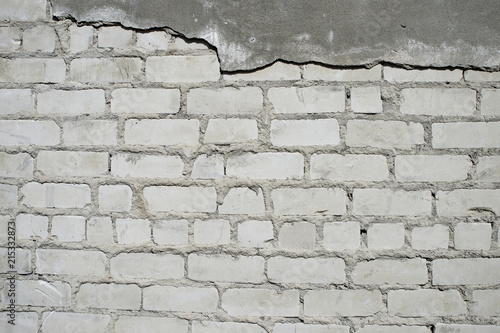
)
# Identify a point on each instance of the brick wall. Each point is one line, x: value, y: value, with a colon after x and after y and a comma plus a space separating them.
x: 152, y: 194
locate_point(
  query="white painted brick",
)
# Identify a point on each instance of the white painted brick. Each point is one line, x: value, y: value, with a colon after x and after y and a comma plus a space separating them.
x: 349, y: 167
x: 80, y: 38
x: 428, y: 168
x: 23, y: 261
x: 278, y: 71
x: 322, y: 99
x: 473, y: 271
x: 478, y: 76
x: 32, y: 70
x: 159, y: 266
x: 472, y: 236
x: 182, y: 299
x: 69, y: 262
x: 425, y: 303
x: 40, y: 293
x: 464, y: 202
x: 393, y: 74
x: 393, y: 329
x: 466, y: 135
x: 16, y: 165
x: 89, y: 132
x: 115, y: 198
x: 30, y: 226
x: 4, y: 229
x: 153, y: 40
x: 146, y: 166
x: 68, y: 228
x: 17, y: 100
x: 100, y: 230
x: 212, y: 232
x: 29, y: 132
x: 309, y: 328
x: 316, y: 72
x: 486, y: 303
x: 26, y: 322
x: 488, y: 169
x: 430, y: 238
x: 40, y: 38
x: 56, y: 322
x: 490, y: 102
x: 8, y: 196
x: 392, y: 272
x: 217, y: 327
x: 72, y: 163
x: 386, y: 236
x: 366, y: 100
x: 135, y: 324
x: 339, y: 236
x: 105, y: 69
x: 246, y: 100
x: 23, y: 10
x: 225, y: 268
x: 261, y: 302
x: 438, y: 102
x: 208, y: 167
x: 171, y: 233
x: 326, y: 303
x: 164, y: 132
x: 71, y: 102
x: 379, y: 202
x: 114, y: 37
x: 461, y: 328
x: 182, y: 45
x: 300, y: 270
x: 383, y: 134
x: 255, y: 233
x: 9, y: 38
x: 174, y: 69
x: 305, y: 132
x: 266, y: 166
x: 109, y: 296
x: 297, y: 236
x: 181, y: 199
x: 141, y: 101
x: 310, y: 201
x: 133, y: 231
x: 243, y: 201
x: 223, y: 131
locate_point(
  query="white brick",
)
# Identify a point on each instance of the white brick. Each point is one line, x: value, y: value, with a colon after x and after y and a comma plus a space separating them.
x: 392, y: 74
x: 349, y: 167
x: 17, y: 100
x: 181, y: 199
x: 465, y: 202
x: 114, y: 37
x: 89, y: 132
x: 71, y: 102
x: 109, y: 296
x: 40, y: 293
x: 305, y: 132
x: 339, y: 236
x: 80, y: 38
x: 133, y: 231
x: 366, y: 100
x: 141, y: 101
x: 322, y: 99
x: 438, y: 102
x: 217, y: 327
x: 490, y: 102
x: 392, y: 272
x: 212, y: 232
x: 316, y: 72
x: 385, y: 236
x: 380, y: 202
x: 115, y: 198
x: 56, y: 322
x: 105, y: 69
x: 425, y: 303
x: 146, y: 166
x: 4, y: 228
x: 326, y: 303
x: 266, y: 166
x: 72, y: 163
x: 9, y: 38
x: 182, y: 299
x: 225, y: 268
x: 261, y: 302
x: 430, y: 238
x: 8, y: 196
x: 460, y: 328
x: 472, y: 236
x: 486, y: 303
x: 243, y: 201
x: 159, y: 266
x: 171, y: 233
x: 153, y: 40
x: 223, y: 131
x: 31, y: 226
x: 68, y: 228
x: 134, y: 324
x: 208, y: 167
x: 164, y: 132
x: 466, y: 135
x: 297, y: 236
x: 474, y: 271
x: 309, y: 201
x: 16, y: 165
x: 278, y: 71
x: 478, y: 76
x: 174, y: 69
x: 422, y: 168
x: 26, y: 322
x: 23, y: 261
x: 247, y: 100
x: 300, y: 270
x: 255, y: 233
x: 185, y: 45
x: 68, y: 262
x: 40, y: 38
x: 23, y: 10
x: 488, y: 169
x: 32, y: 70
x: 309, y: 328
x: 100, y: 230
x: 29, y: 132
x: 383, y: 134
x: 393, y: 329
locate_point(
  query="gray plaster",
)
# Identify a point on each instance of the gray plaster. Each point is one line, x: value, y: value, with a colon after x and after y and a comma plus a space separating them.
x: 252, y: 33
